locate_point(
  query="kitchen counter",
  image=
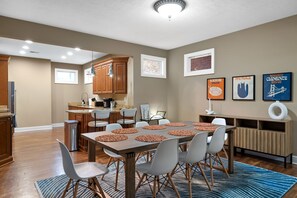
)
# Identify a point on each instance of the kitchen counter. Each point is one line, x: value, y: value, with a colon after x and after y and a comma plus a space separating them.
x: 5, y: 114
x: 90, y: 108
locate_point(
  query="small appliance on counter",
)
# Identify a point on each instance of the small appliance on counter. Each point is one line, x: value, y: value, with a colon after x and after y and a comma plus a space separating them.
x: 106, y: 102
x: 99, y: 104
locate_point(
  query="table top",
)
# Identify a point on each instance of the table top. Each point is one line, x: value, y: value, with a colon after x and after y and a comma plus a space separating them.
x: 132, y: 145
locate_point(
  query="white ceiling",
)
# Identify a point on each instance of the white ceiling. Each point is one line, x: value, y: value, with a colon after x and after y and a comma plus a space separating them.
x: 136, y: 21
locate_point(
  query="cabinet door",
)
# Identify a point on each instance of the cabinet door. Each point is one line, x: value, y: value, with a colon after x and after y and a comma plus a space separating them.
x: 4, y: 80
x: 108, y: 80
x: 120, y: 77
x: 101, y: 79
x: 5, y: 140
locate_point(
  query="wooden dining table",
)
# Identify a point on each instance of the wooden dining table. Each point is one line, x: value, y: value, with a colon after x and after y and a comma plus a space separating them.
x: 130, y: 147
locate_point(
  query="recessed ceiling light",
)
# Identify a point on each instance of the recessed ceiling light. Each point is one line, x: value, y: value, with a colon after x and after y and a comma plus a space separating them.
x: 70, y: 53
x: 77, y: 49
x: 63, y: 57
x: 25, y: 47
x: 22, y: 52
x: 29, y: 41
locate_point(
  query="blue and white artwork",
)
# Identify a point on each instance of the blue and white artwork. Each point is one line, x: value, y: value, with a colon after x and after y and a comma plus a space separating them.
x: 277, y: 86
x: 243, y: 87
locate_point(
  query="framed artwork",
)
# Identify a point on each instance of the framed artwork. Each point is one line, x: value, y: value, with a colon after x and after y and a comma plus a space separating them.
x: 243, y: 87
x: 216, y: 89
x: 199, y: 63
x: 153, y: 66
x: 88, y: 78
x: 277, y: 86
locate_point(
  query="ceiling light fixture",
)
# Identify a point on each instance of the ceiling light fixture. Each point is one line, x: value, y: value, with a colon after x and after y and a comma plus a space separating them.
x: 63, y: 57
x: 25, y: 47
x: 77, y: 49
x: 29, y: 41
x: 169, y: 8
x: 22, y: 52
x: 93, y: 73
x: 69, y: 53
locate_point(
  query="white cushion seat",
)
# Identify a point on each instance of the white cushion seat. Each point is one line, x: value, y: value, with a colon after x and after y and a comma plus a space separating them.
x: 98, y: 123
x: 127, y: 121
x: 89, y: 169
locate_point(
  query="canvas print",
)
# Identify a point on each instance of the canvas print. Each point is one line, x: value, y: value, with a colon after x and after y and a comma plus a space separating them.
x: 243, y: 87
x: 277, y: 86
x: 153, y: 66
x: 216, y: 88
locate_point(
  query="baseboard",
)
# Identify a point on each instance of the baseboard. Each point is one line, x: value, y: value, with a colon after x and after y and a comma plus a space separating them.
x: 56, y: 125
x: 35, y: 128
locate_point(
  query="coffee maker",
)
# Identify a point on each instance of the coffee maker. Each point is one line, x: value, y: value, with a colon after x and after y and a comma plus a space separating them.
x: 106, y: 102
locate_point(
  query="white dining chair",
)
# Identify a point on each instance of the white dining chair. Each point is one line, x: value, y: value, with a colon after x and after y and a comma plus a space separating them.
x: 113, y: 157
x: 80, y: 172
x: 141, y: 124
x: 163, y: 162
x: 128, y: 116
x: 219, y: 121
x: 100, y: 117
x: 192, y: 158
x: 147, y: 154
x: 214, y: 147
x: 163, y: 121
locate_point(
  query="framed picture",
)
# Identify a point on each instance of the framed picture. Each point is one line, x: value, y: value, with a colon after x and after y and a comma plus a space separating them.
x: 243, y: 87
x: 277, y: 86
x: 216, y: 88
x: 199, y: 63
x: 88, y: 78
x: 153, y: 66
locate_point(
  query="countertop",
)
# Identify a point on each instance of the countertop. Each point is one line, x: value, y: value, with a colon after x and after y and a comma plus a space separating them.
x: 5, y: 114
x: 85, y: 109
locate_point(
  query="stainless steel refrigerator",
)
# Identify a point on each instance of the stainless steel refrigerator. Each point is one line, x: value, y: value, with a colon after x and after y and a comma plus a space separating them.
x: 12, y: 101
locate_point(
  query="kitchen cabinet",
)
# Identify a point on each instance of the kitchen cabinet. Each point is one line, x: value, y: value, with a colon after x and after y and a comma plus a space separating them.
x: 4, y: 79
x: 102, y: 83
x: 5, y: 139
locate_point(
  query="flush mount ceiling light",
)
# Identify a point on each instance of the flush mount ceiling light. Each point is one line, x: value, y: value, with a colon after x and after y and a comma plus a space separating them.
x: 169, y: 8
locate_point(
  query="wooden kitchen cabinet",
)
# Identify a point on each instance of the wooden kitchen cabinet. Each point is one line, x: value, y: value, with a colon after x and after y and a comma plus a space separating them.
x: 5, y: 140
x: 102, y: 83
x: 4, y: 79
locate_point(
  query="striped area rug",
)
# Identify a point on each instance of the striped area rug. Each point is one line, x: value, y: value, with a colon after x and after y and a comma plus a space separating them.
x: 247, y: 181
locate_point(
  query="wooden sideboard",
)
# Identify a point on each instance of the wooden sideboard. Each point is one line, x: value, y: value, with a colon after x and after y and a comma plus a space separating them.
x: 4, y: 79
x: 274, y: 137
x: 5, y: 139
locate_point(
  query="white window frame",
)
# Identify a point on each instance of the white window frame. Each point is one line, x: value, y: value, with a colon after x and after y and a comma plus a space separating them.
x: 59, y: 81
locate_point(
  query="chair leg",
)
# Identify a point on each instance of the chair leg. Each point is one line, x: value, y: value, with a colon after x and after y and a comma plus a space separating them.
x: 222, y: 164
x: 140, y: 181
x: 211, y: 170
x: 117, y: 175
x: 189, y: 181
x: 225, y: 152
x: 99, y: 187
x: 154, y: 189
x: 108, y: 164
x: 66, y: 189
x: 173, y: 186
x: 75, y: 189
x: 203, y: 174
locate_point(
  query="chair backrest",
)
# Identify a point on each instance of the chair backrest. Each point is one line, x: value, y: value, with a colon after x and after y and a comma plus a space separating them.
x: 67, y: 162
x: 163, y: 121
x: 217, y: 141
x: 113, y: 126
x: 145, y: 111
x: 141, y: 124
x: 100, y: 114
x: 219, y: 121
x: 197, y: 148
x: 165, y: 158
x: 128, y: 112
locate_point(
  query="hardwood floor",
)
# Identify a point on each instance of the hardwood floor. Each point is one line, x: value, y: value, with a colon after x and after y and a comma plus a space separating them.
x: 37, y: 156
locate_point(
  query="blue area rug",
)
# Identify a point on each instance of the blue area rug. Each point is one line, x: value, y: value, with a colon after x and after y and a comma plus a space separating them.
x: 247, y: 181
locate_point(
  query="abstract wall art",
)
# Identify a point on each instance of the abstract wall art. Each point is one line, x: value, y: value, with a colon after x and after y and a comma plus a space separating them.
x: 215, y: 88
x: 153, y: 66
x: 243, y: 87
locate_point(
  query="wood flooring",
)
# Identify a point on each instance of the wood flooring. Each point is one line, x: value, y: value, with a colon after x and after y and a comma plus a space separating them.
x: 37, y: 156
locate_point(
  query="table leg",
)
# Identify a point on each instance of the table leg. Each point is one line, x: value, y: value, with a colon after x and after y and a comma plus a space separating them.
x: 231, y: 151
x: 91, y: 152
x: 130, y: 175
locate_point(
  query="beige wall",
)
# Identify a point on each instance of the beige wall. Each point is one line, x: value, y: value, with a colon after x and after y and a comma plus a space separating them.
x: 264, y: 49
x: 33, y: 90
x: 64, y: 93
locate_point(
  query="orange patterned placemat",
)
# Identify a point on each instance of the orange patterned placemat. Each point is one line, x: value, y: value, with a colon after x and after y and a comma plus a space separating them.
x: 181, y: 133
x: 202, y: 124
x: 154, y: 127
x: 111, y: 138
x: 125, y: 131
x: 150, y: 138
x: 176, y: 124
x: 206, y: 128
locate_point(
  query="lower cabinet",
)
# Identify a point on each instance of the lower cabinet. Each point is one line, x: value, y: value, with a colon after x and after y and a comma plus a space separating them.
x: 5, y: 140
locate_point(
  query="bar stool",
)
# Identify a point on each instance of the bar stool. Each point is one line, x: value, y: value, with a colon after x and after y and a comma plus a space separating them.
x: 100, y: 117
x: 128, y: 117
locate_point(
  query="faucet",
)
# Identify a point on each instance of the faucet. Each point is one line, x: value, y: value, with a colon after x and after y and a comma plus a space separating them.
x: 83, y: 100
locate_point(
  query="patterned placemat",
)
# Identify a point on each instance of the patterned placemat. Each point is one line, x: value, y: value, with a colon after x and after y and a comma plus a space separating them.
x: 202, y: 124
x: 154, y: 127
x: 181, y: 133
x: 125, y: 131
x: 150, y: 138
x: 111, y: 138
x: 206, y: 128
x: 176, y: 124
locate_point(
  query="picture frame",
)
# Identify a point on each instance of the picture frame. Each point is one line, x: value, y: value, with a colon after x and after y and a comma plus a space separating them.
x: 153, y: 66
x: 215, y: 88
x: 243, y: 87
x: 277, y: 86
x: 199, y: 63
x: 88, y: 78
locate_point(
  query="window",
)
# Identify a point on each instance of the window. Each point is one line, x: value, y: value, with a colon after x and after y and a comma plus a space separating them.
x: 66, y: 76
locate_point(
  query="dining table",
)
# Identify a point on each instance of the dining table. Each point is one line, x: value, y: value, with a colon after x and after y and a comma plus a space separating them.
x: 130, y: 147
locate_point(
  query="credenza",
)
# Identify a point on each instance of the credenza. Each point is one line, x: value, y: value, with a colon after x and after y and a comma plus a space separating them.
x: 274, y: 137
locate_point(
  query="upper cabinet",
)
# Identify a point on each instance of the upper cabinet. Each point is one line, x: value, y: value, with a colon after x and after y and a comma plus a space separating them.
x: 4, y: 79
x: 103, y: 83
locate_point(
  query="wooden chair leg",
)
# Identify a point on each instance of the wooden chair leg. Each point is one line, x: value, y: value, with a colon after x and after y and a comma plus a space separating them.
x: 75, y: 189
x: 99, y: 187
x: 189, y: 181
x: 108, y: 164
x: 225, y: 152
x: 217, y: 155
x: 203, y: 174
x: 211, y: 170
x: 117, y: 175
x: 140, y: 181
x: 158, y: 182
x: 66, y: 189
x: 172, y: 184
x: 154, y: 189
